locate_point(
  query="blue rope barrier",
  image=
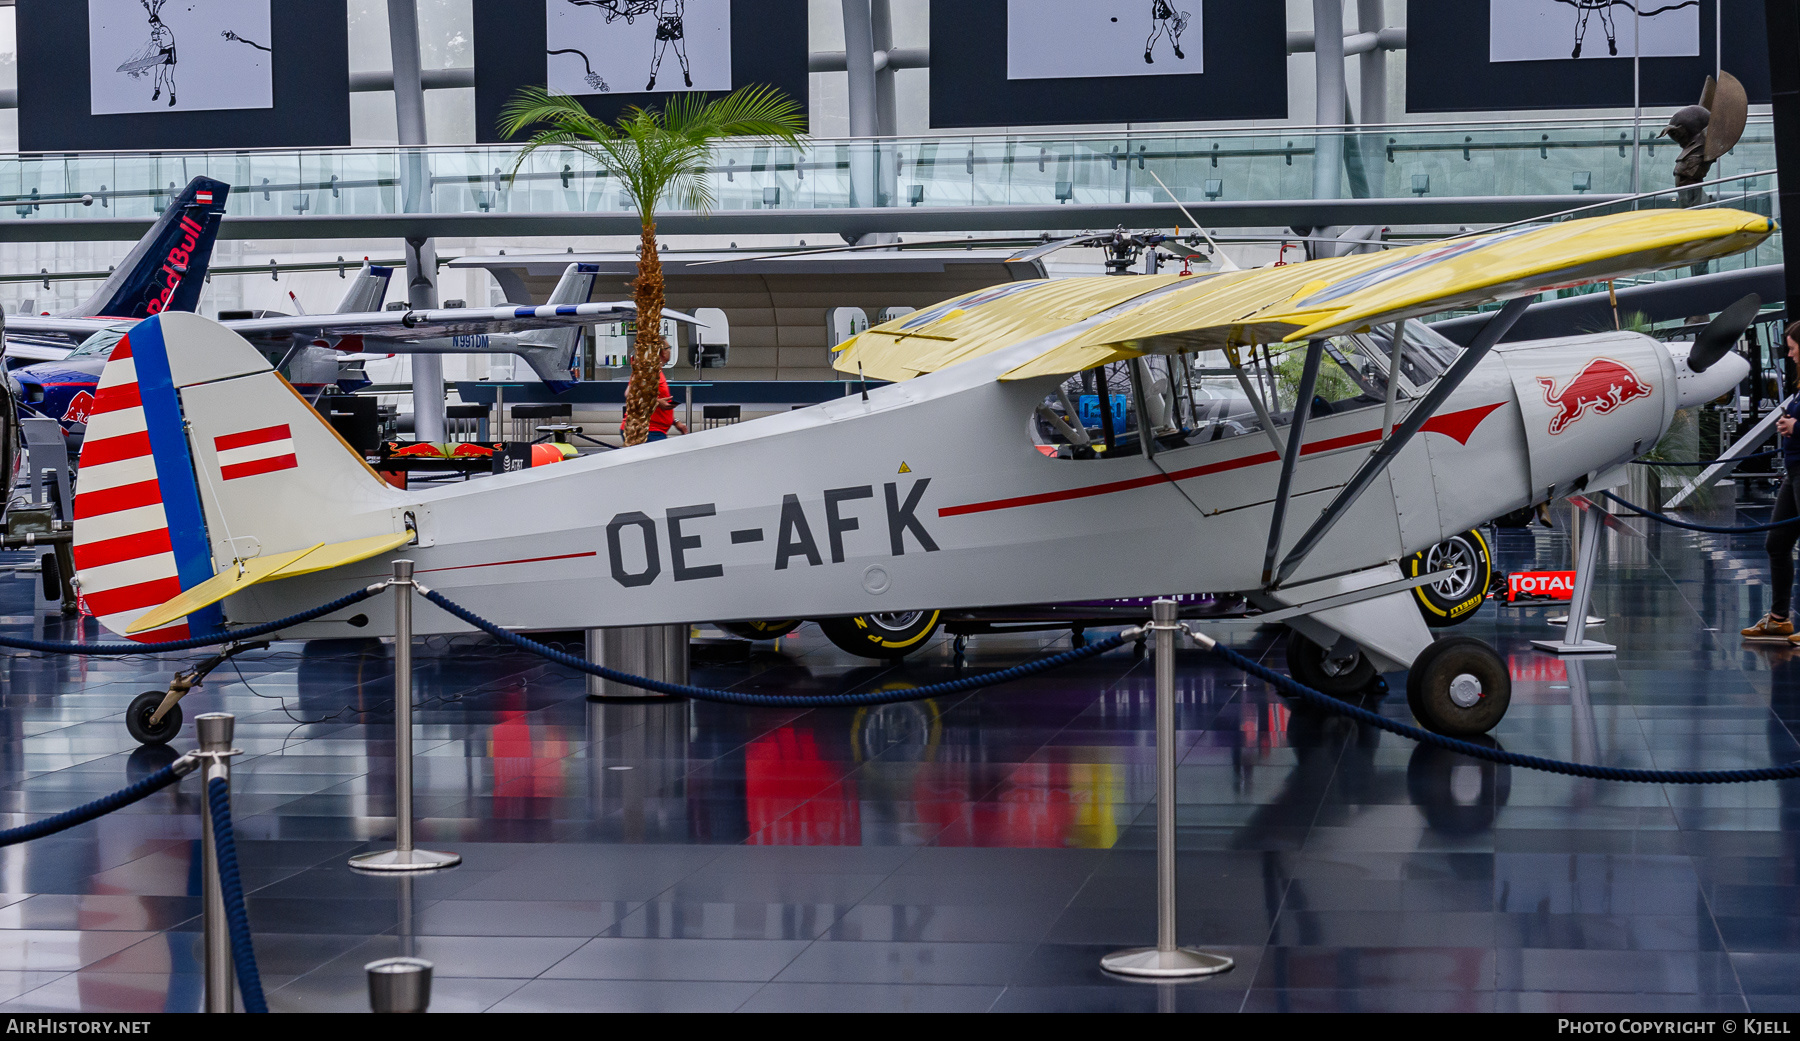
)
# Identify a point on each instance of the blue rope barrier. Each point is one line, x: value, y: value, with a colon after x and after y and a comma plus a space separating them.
x: 733, y: 697
x: 112, y: 649
x: 99, y: 807
x: 237, y: 919
x: 1691, y: 526
x: 1706, y: 462
x: 1497, y: 755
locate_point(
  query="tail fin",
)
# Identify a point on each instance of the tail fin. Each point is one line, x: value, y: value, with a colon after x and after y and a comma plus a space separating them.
x: 367, y: 290
x: 198, y: 455
x: 551, y: 353
x: 167, y: 268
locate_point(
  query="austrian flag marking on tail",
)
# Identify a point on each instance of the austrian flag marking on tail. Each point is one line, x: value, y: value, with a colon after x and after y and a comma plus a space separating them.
x: 252, y: 452
x: 203, y: 198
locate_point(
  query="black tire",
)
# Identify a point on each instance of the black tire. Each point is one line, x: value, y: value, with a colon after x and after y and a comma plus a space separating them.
x: 1309, y: 664
x: 759, y: 630
x: 1453, y: 600
x: 887, y: 637
x: 52, y: 576
x: 137, y: 719
x: 1459, y: 687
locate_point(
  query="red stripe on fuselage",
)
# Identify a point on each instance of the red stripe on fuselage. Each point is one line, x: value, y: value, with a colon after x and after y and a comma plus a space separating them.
x: 1460, y: 425
x: 115, y: 449
x: 251, y: 437
x: 112, y: 500
x: 135, y: 597
x: 125, y: 547
x: 503, y: 563
x: 116, y: 398
x: 258, y: 466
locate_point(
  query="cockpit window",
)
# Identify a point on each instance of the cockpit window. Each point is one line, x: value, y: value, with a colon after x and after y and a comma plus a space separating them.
x: 1196, y: 398
x: 100, y: 344
x: 1424, y: 355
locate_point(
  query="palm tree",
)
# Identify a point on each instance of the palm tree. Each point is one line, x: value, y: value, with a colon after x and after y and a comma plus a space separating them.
x: 658, y: 156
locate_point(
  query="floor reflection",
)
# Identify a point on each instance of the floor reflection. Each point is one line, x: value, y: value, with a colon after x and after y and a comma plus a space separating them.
x: 972, y: 852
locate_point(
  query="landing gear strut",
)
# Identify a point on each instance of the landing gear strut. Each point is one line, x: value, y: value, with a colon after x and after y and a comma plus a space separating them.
x: 155, y: 716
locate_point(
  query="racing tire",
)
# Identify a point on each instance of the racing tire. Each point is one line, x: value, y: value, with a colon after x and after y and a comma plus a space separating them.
x: 887, y: 637
x: 1458, y: 687
x: 1453, y: 600
x: 1310, y: 664
x: 137, y: 719
x: 759, y: 630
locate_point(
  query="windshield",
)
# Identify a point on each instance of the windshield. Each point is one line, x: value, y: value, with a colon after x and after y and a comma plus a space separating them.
x: 100, y: 344
x: 1424, y: 355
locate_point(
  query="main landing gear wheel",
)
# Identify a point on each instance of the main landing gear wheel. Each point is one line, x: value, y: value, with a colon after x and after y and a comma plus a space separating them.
x: 1316, y: 667
x: 759, y: 630
x: 137, y: 719
x: 885, y: 636
x: 1455, y: 598
x: 1459, y: 687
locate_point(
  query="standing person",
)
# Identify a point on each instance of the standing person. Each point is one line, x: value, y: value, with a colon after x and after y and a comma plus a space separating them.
x: 1778, y: 624
x: 664, y: 416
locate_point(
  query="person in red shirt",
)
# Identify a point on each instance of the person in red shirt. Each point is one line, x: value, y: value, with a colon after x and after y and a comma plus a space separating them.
x: 664, y: 416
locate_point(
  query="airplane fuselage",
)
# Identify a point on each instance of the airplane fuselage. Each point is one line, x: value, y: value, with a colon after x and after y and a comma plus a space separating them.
x: 931, y: 494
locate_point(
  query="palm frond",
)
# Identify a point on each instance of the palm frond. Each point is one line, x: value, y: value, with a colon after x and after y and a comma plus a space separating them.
x: 658, y: 156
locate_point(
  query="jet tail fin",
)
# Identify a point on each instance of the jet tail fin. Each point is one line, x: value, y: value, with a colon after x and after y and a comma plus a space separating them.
x: 367, y: 291
x: 551, y: 353
x: 166, y: 270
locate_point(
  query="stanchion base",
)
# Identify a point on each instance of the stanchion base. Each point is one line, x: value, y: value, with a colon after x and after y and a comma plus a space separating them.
x: 410, y: 860
x: 1151, y: 963
x: 1562, y: 619
x: 1584, y: 647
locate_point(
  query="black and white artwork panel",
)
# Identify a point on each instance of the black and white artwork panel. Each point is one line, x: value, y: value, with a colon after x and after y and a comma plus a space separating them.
x: 179, y: 55
x: 1551, y: 30
x: 1080, y: 39
x: 637, y: 46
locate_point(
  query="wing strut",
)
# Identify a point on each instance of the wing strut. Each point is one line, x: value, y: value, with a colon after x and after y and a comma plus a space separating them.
x: 1309, y: 379
x: 1416, y: 418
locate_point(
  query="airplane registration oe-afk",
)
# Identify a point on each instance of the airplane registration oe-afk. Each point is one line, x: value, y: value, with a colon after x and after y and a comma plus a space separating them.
x: 970, y: 481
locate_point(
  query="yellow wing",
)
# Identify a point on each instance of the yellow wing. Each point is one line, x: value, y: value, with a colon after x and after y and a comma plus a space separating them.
x: 1328, y: 297
x: 257, y: 570
x: 1109, y: 319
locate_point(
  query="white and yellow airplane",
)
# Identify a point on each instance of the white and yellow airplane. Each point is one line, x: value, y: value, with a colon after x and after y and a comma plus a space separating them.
x: 212, y: 497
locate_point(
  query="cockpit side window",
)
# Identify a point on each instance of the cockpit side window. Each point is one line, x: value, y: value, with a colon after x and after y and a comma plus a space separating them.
x: 1424, y: 354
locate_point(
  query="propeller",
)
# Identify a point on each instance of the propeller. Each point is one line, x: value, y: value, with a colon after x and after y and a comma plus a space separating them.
x: 1722, y: 333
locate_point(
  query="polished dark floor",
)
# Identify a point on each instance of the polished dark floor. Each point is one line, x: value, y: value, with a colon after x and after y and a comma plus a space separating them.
x: 965, y: 854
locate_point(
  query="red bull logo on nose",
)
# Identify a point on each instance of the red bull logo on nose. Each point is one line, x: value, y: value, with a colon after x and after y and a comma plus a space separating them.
x: 1602, y: 385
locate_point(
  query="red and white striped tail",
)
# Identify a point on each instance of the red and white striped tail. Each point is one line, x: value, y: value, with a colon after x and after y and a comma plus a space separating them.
x: 123, y: 549
x: 199, y: 454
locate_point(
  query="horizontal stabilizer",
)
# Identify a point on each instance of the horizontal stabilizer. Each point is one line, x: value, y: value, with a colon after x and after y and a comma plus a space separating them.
x: 256, y: 570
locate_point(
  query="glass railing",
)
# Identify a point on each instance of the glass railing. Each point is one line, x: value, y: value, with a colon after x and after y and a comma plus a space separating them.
x: 1562, y: 157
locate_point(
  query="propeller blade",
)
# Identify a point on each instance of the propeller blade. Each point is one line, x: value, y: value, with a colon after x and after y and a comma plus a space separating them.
x: 1722, y: 333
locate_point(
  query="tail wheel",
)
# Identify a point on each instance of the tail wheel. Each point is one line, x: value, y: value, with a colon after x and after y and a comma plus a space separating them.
x: 1454, y: 598
x: 759, y: 630
x: 888, y: 636
x: 1459, y: 686
x: 1317, y: 667
x: 137, y: 719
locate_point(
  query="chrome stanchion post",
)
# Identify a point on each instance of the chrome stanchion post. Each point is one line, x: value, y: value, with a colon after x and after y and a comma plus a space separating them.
x: 403, y: 857
x: 399, y: 985
x: 214, y: 730
x: 1166, y: 960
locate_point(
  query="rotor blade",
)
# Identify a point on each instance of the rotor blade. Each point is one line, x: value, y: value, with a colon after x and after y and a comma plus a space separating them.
x: 768, y: 254
x: 1224, y: 261
x: 1722, y: 333
x: 1051, y: 247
